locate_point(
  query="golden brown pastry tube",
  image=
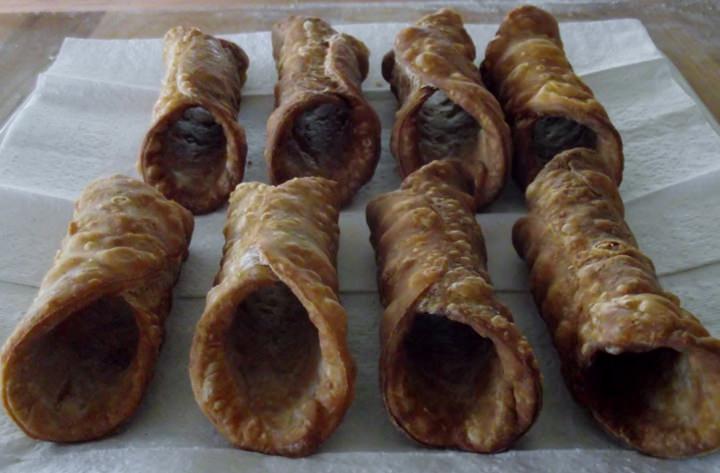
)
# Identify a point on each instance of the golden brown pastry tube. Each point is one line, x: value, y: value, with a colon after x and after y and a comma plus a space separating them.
x: 455, y: 370
x: 445, y: 110
x: 548, y: 107
x: 195, y: 150
x: 647, y: 369
x: 78, y: 363
x: 270, y: 365
x: 322, y: 126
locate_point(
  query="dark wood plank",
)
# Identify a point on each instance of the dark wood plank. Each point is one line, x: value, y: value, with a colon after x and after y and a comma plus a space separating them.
x: 28, y: 44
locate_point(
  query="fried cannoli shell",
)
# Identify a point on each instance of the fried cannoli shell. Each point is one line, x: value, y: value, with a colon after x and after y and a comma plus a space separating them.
x: 78, y: 363
x: 434, y: 57
x: 548, y: 107
x: 322, y: 124
x: 194, y: 152
x: 455, y: 370
x: 270, y: 365
x: 647, y: 369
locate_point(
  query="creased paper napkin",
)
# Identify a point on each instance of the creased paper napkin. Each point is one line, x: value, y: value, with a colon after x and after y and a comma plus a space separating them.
x: 87, y: 117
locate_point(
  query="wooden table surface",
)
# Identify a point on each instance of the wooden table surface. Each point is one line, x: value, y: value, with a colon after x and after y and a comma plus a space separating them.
x: 687, y: 31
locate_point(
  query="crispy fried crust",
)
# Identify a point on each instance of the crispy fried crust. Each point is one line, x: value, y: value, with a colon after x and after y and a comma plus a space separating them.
x: 647, y: 369
x: 284, y: 236
x: 526, y: 68
x: 207, y: 72
x: 437, y: 54
x: 438, y: 299
x: 67, y: 374
x: 319, y: 67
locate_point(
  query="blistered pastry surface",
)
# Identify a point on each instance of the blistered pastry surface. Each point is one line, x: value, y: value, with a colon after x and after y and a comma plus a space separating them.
x: 317, y: 65
x: 286, y: 234
x: 125, y: 240
x: 599, y: 294
x: 437, y: 54
x: 526, y: 68
x: 201, y: 71
x: 431, y: 259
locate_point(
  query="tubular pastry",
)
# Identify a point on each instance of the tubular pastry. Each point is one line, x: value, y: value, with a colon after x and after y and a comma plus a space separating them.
x: 194, y: 152
x: 548, y: 107
x: 445, y: 110
x: 647, y: 370
x: 77, y: 365
x: 455, y: 370
x: 270, y: 365
x: 322, y: 124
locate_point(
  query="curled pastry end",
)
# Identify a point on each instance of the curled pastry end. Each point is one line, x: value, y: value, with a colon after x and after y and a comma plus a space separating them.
x: 267, y: 370
x: 195, y: 156
x: 324, y: 135
x: 662, y: 399
x: 82, y: 372
x: 460, y: 380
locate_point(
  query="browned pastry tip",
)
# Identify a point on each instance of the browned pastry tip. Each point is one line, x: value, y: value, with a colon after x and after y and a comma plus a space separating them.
x: 455, y: 370
x: 77, y: 365
x: 322, y: 124
x: 194, y: 152
x: 270, y: 366
x: 548, y: 107
x: 647, y: 369
x: 445, y: 110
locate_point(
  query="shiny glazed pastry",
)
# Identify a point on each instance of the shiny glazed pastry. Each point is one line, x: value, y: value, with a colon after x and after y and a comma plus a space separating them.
x: 270, y: 365
x: 77, y: 365
x: 647, y: 369
x: 455, y: 370
x: 445, y: 110
x: 322, y: 126
x: 195, y: 150
x: 548, y: 107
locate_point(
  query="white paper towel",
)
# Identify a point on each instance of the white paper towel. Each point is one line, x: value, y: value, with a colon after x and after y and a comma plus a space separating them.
x: 87, y: 117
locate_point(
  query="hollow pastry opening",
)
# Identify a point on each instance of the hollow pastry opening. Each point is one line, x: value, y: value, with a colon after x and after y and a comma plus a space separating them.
x: 193, y: 149
x: 452, y: 385
x: 552, y: 135
x: 273, y: 350
x: 445, y: 129
x: 73, y: 382
x: 320, y: 136
x: 656, y: 398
